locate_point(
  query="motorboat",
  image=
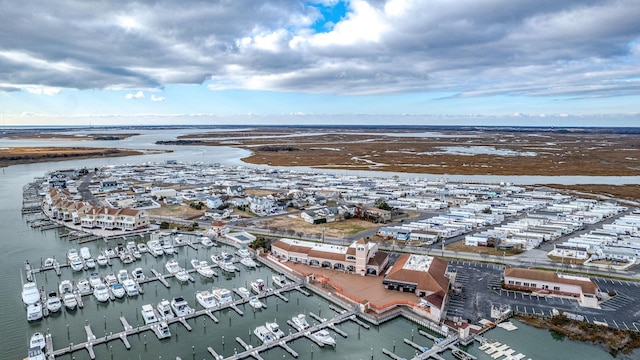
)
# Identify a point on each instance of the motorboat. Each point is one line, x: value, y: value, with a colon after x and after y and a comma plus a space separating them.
x: 162, y: 330
x: 136, y: 254
x: 109, y: 252
x: 35, y: 354
x: 118, y: 290
x: 324, y: 337
x: 164, y: 310
x: 182, y: 275
x: 255, y: 302
x: 155, y: 247
x: 217, y: 259
x: 34, y: 311
x: 275, y: 329
x: 85, y: 253
x: 76, y: 264
x: 300, y: 322
x: 244, y: 292
x: 110, y: 279
x: 126, y: 257
x: 148, y: 315
x: 94, y: 280
x: 207, y: 242
x: 258, y: 286
x: 50, y: 263
x: 206, y: 299
x: 243, y: 252
x: 65, y: 287
x: 70, y: 301
x: 228, y: 266
x: 264, y: 335
x: 83, y: 286
x: 181, y: 307
x: 279, y: 280
x: 30, y: 293
x: 53, y: 303
x: 138, y: 275
x: 168, y: 248
x: 131, y: 246
x: 123, y: 275
x: 172, y: 266
x: 142, y: 247
x: 130, y: 287
x: 223, y: 296
x: 37, y: 341
x: 90, y: 263
x: 101, y: 292
x: 179, y: 240
x: 102, y: 260
x: 72, y: 254
x: 203, y: 268
x: 248, y: 262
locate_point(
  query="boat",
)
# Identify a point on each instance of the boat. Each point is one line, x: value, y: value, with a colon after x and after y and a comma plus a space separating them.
x: 228, y: 267
x: 70, y: 302
x: 182, y: 275
x: 72, y: 254
x: 83, y: 286
x: 179, y: 240
x: 162, y: 330
x: 37, y: 341
x: 76, y: 264
x: 101, y: 292
x: 142, y: 247
x: 131, y: 246
x: 137, y: 255
x: 148, y: 315
x: 168, y: 248
x: 264, y: 335
x: 85, y: 253
x: 203, y: 268
x: 30, y: 293
x: 102, y: 260
x: 255, y: 302
x: 130, y: 287
x: 155, y: 247
x: 223, y: 296
x: 206, y: 242
x: 90, y: 263
x: 118, y: 290
x: 206, y: 299
x: 244, y: 292
x: 248, y: 262
x: 172, y: 266
x: 109, y: 253
x: 181, y: 307
x: 280, y: 280
x: 243, y: 252
x: 110, y: 279
x: 53, y: 303
x: 50, y: 263
x: 138, y: 275
x: 94, y: 280
x: 258, y: 286
x: 34, y: 311
x: 275, y: 329
x: 65, y: 287
x: 217, y: 259
x: 35, y: 354
x: 300, y: 322
x: 123, y: 275
x: 164, y: 310
x: 324, y: 337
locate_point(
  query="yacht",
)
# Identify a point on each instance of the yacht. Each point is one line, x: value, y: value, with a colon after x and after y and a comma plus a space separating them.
x: 35, y: 354
x: 118, y: 290
x: 203, y: 268
x: 53, y: 302
x: 138, y: 275
x: 275, y: 329
x: 94, y: 280
x: 172, y: 266
x: 248, y: 262
x: 206, y: 242
x: 37, y: 341
x: 262, y: 333
x: 131, y: 246
x: 223, y: 296
x: 72, y: 254
x: 85, y: 253
x: 228, y: 267
x: 206, y: 299
x: 34, y: 311
x: 164, y: 310
x: 101, y: 292
x: 300, y: 322
x: 83, y: 286
x: 65, y: 287
x: 137, y: 255
x: 258, y: 286
x: 143, y: 248
x: 217, y: 259
x: 109, y: 253
x: 182, y: 275
x: 168, y: 248
x: 279, y: 280
x: 123, y: 275
x: 244, y: 292
x: 324, y: 337
x: 162, y: 330
x: 30, y: 293
x: 70, y: 301
x: 243, y: 252
x: 130, y: 287
x: 102, y: 260
x: 155, y: 248
x: 179, y: 240
x: 90, y: 263
x: 50, y: 263
x: 181, y: 307
x: 148, y: 314
x: 255, y: 302
x: 76, y: 264
x: 110, y: 279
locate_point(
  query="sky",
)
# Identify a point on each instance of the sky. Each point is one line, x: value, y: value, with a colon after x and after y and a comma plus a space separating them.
x: 422, y: 62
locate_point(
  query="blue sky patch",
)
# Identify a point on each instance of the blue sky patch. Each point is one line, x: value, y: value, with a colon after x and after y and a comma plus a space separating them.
x: 331, y: 15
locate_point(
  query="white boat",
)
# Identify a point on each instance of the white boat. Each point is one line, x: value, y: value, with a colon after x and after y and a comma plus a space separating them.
x: 94, y: 280
x: 223, y: 296
x: 255, y: 302
x: 109, y: 253
x: 90, y: 263
x: 34, y: 311
x: 228, y: 267
x: 83, y: 286
x: 248, y: 262
x: 131, y: 246
x: 206, y: 299
x: 130, y: 287
x: 243, y: 252
x: 102, y: 260
x: 300, y: 322
x: 35, y: 354
x: 101, y: 292
x: 72, y: 254
x: 155, y: 247
x: 65, y: 287
x: 142, y: 247
x: 181, y: 307
x: 70, y: 301
x: 203, y: 268
x: 85, y: 253
x: 275, y: 329
x: 118, y: 290
x: 50, y: 263
x: 110, y: 279
x: 138, y: 275
x: 258, y: 286
x: 262, y: 333
x: 182, y: 275
x: 217, y: 259
x: 324, y: 337
x: 179, y: 240
x: 279, y: 280
x: 76, y: 264
x: 123, y: 275
x: 164, y: 310
x: 244, y: 292
x: 168, y: 248
x: 53, y: 302
x: 162, y: 330
x: 148, y: 315
x: 136, y: 254
x: 206, y: 242
x: 30, y: 293
x: 37, y: 341
x: 172, y: 266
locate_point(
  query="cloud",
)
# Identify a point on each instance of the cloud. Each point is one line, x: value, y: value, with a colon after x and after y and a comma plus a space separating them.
x: 157, y: 98
x: 571, y: 48
x: 138, y: 95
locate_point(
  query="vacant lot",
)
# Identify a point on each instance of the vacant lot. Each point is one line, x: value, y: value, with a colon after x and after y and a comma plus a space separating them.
x: 461, y: 247
x: 335, y: 229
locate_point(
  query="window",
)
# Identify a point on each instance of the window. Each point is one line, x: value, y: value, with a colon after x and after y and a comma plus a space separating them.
x: 556, y: 288
x: 510, y: 282
x: 533, y: 285
x: 518, y: 283
x: 526, y: 284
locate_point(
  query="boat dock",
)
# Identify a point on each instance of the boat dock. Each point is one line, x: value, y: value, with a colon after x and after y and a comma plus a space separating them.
x: 158, y: 277
x: 332, y: 327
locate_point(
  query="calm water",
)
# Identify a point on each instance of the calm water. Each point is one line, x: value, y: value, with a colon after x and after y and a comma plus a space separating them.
x: 20, y: 242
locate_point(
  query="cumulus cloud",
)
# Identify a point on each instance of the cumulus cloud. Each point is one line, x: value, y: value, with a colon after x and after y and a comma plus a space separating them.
x: 138, y: 95
x: 157, y: 98
x: 570, y: 48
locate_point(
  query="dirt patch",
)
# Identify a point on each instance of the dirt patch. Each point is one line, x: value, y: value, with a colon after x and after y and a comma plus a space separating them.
x: 297, y: 226
x: 483, y: 250
x: 181, y: 211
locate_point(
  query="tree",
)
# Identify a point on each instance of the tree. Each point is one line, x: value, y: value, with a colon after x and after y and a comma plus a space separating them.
x: 164, y: 225
x: 382, y: 204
